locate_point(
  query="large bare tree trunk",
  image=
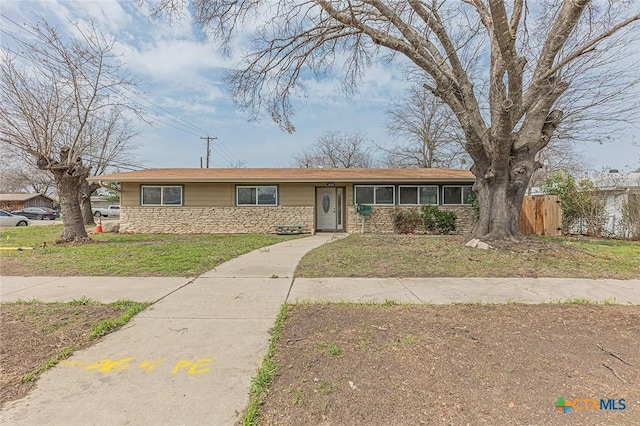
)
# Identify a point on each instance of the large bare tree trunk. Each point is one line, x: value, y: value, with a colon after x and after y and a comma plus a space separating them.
x: 501, y: 202
x: 69, y: 174
x: 85, y: 202
x: 500, y: 190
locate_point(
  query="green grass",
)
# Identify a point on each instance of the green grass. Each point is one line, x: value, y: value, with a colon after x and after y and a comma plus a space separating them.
x: 41, y: 316
x: 109, y: 325
x: 111, y: 254
x: 420, y: 256
x: 266, y: 372
x: 334, y: 349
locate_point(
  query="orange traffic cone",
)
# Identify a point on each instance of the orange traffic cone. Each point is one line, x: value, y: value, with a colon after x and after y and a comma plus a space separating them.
x: 99, y: 226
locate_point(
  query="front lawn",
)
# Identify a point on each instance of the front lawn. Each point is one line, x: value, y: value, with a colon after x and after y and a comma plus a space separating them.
x: 36, y: 336
x: 422, y: 256
x: 344, y: 364
x: 112, y: 254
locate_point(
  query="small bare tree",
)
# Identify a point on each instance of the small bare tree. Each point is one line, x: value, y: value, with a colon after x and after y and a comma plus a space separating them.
x: 427, y: 134
x: 58, y: 97
x: 336, y: 150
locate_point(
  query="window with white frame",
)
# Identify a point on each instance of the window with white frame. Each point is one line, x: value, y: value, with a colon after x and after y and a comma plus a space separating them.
x: 374, y: 194
x: 161, y: 195
x: 418, y: 194
x: 457, y: 194
x: 264, y: 195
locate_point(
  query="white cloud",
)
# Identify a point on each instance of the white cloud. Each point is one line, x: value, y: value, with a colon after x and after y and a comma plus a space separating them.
x: 178, y: 61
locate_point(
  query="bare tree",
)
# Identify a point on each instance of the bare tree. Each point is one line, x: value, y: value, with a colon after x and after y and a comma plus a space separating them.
x: 427, y: 134
x: 336, y: 150
x: 59, y: 97
x: 22, y: 178
x: 508, y: 109
x: 17, y: 175
x: 560, y: 155
x: 110, y: 134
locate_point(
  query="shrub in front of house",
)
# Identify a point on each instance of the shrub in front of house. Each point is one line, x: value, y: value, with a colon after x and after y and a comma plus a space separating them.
x: 439, y: 221
x: 407, y: 221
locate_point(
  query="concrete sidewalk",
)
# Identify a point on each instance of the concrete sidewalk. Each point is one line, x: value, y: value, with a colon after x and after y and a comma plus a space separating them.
x: 464, y: 290
x: 103, y: 289
x: 189, y: 358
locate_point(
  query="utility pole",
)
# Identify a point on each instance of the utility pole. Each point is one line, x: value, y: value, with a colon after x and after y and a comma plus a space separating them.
x: 208, y: 139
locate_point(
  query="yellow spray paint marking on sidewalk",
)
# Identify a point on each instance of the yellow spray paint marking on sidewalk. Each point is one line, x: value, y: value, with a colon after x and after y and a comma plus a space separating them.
x: 194, y: 368
x: 148, y: 366
x: 107, y: 365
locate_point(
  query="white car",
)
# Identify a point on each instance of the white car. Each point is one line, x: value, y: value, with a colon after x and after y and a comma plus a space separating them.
x: 8, y: 219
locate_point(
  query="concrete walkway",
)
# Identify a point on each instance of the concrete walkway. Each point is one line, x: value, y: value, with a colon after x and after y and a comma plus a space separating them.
x: 189, y: 359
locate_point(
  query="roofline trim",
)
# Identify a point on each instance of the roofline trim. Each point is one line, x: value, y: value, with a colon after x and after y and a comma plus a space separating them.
x: 285, y: 180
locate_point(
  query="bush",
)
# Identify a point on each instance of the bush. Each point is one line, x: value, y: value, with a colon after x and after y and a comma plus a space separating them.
x: 406, y: 221
x: 631, y: 217
x: 582, y: 203
x: 440, y: 221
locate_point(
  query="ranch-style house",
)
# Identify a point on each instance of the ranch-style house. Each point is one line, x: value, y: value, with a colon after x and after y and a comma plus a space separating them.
x: 267, y: 200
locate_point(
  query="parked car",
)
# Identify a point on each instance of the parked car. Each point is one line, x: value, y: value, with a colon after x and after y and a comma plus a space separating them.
x: 38, y: 213
x: 56, y: 212
x: 8, y: 219
x: 113, y: 210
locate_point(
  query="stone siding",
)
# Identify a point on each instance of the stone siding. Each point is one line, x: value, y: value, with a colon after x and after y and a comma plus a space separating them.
x: 381, y: 219
x: 213, y: 220
x: 261, y: 220
x: 465, y: 222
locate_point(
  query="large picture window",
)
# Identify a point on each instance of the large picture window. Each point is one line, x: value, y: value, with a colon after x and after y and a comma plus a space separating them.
x: 457, y: 194
x: 374, y: 194
x: 161, y: 195
x: 257, y: 195
x: 418, y: 194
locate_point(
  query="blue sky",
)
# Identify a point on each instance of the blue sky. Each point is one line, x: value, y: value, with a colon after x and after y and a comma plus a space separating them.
x: 182, y: 75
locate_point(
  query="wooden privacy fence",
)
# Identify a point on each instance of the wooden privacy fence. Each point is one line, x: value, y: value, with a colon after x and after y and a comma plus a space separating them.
x: 541, y: 215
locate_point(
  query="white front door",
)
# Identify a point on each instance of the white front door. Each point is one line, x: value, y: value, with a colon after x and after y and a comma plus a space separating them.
x: 329, y: 209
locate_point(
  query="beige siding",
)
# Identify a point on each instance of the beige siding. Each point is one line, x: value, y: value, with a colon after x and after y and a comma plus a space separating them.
x: 195, y: 194
x: 130, y: 195
x: 349, y: 196
x: 209, y: 194
x: 296, y: 194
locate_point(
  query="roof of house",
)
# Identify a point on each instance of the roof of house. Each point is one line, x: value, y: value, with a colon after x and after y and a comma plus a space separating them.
x: 275, y: 175
x: 21, y: 197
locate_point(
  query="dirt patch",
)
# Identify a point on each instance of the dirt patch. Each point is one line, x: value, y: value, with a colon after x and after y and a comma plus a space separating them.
x: 455, y: 364
x: 34, y: 334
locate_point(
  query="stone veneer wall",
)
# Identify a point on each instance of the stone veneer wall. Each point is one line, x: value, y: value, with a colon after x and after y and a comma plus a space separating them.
x: 213, y: 220
x: 381, y: 219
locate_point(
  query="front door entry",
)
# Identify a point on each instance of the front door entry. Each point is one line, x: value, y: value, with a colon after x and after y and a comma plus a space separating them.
x: 329, y: 209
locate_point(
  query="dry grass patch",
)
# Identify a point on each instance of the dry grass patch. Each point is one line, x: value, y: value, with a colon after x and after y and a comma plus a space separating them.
x: 418, y: 256
x: 453, y: 364
x: 36, y: 336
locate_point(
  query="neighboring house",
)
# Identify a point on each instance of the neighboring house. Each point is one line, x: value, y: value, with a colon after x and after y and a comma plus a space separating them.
x: 100, y: 202
x: 618, y: 188
x: 243, y: 200
x: 20, y: 201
